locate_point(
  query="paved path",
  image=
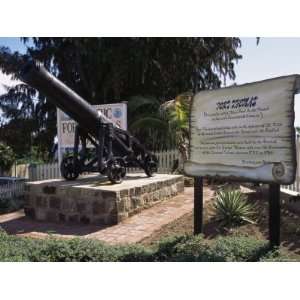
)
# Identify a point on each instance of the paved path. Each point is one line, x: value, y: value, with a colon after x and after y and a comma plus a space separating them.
x: 132, y: 230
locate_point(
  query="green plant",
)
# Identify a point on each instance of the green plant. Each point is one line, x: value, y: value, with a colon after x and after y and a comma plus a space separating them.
x: 232, y: 209
x: 292, y: 228
x: 166, y: 248
x: 194, y: 248
x: 197, y: 249
x: 134, y: 253
x: 4, y: 204
x: 7, y: 157
x: 277, y: 255
x: 166, y: 123
x: 179, y: 248
x: 11, y: 204
x: 238, y: 248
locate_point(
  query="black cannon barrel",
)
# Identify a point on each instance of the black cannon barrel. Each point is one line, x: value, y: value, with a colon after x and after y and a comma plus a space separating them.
x: 36, y: 75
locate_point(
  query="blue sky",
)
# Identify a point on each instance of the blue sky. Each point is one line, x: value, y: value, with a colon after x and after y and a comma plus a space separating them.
x: 13, y: 43
x: 272, y: 57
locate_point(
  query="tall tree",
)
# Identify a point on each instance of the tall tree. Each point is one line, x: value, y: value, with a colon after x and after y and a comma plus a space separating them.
x: 105, y: 70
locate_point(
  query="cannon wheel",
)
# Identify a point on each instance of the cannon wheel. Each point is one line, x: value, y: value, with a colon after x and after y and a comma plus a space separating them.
x: 116, y: 169
x: 150, y: 165
x: 68, y: 170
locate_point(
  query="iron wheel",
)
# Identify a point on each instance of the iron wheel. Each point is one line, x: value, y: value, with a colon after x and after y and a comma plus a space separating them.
x: 116, y: 169
x: 68, y: 169
x: 151, y: 165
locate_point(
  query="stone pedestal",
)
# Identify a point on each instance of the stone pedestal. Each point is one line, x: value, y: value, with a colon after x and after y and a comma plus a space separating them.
x: 93, y: 199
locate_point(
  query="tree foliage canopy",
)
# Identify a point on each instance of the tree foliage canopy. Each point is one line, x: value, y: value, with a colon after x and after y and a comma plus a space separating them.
x: 106, y: 70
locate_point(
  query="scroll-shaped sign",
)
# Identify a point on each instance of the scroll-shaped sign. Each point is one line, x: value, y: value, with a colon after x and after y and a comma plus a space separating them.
x: 245, y: 132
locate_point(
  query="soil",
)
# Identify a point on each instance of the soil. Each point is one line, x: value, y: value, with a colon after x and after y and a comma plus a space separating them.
x: 290, y: 223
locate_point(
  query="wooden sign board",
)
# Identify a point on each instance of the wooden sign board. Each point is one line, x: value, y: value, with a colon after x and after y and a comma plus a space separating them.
x: 245, y: 132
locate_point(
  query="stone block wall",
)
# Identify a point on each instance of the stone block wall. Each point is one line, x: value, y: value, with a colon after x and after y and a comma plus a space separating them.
x: 57, y: 201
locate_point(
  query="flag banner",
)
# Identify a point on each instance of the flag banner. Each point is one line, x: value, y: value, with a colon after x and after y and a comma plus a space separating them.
x: 116, y: 112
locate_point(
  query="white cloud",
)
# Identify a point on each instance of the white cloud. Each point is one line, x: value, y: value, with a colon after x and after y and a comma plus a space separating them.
x: 6, y: 80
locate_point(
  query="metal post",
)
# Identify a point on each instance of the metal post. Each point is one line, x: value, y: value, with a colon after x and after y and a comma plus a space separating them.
x: 84, y: 149
x: 110, y: 129
x: 76, y: 145
x: 76, y: 141
x: 274, y: 214
x: 100, y: 149
x: 198, y: 205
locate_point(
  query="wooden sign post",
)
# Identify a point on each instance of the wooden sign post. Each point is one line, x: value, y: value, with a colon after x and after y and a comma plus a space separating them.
x: 245, y: 133
x: 198, y: 205
x: 274, y: 214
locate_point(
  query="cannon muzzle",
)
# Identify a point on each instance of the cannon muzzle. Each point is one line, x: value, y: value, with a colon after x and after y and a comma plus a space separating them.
x: 35, y: 75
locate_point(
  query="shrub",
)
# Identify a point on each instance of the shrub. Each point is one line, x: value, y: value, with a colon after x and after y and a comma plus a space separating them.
x: 232, y: 209
x: 134, y: 253
x: 73, y: 250
x: 276, y: 255
x: 10, y: 204
x: 239, y: 248
x: 14, y: 248
x: 166, y: 248
x: 54, y: 250
x: 196, y: 248
x: 4, y: 204
x: 179, y: 248
x: 193, y: 249
x: 6, y: 158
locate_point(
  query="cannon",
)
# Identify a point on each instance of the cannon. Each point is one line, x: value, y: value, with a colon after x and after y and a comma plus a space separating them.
x: 115, y: 149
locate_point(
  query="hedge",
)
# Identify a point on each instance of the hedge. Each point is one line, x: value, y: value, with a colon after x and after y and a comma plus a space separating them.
x: 178, y: 248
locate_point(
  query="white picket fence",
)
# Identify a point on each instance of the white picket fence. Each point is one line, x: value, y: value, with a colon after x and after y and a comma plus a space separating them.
x: 37, y: 172
x: 43, y: 171
x: 294, y: 188
x: 166, y: 162
x: 11, y: 190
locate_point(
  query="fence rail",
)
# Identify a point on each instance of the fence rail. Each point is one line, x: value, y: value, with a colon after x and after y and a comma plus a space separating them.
x: 43, y: 171
x: 166, y: 161
x: 295, y: 186
x: 11, y: 190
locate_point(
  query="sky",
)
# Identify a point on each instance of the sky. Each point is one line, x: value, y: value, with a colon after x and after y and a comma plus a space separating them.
x: 272, y: 57
x: 15, y: 45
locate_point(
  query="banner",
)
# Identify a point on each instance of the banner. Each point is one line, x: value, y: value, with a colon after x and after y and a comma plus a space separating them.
x: 116, y: 112
x: 245, y: 132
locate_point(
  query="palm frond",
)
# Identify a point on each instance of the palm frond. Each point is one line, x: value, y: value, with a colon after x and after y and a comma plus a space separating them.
x: 136, y: 103
x: 148, y: 122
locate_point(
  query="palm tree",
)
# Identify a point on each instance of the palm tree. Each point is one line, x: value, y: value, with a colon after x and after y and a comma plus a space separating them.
x: 161, y: 126
x: 147, y: 122
x: 177, y: 112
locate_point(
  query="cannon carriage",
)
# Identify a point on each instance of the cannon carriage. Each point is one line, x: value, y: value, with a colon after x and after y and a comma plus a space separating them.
x: 115, y: 149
